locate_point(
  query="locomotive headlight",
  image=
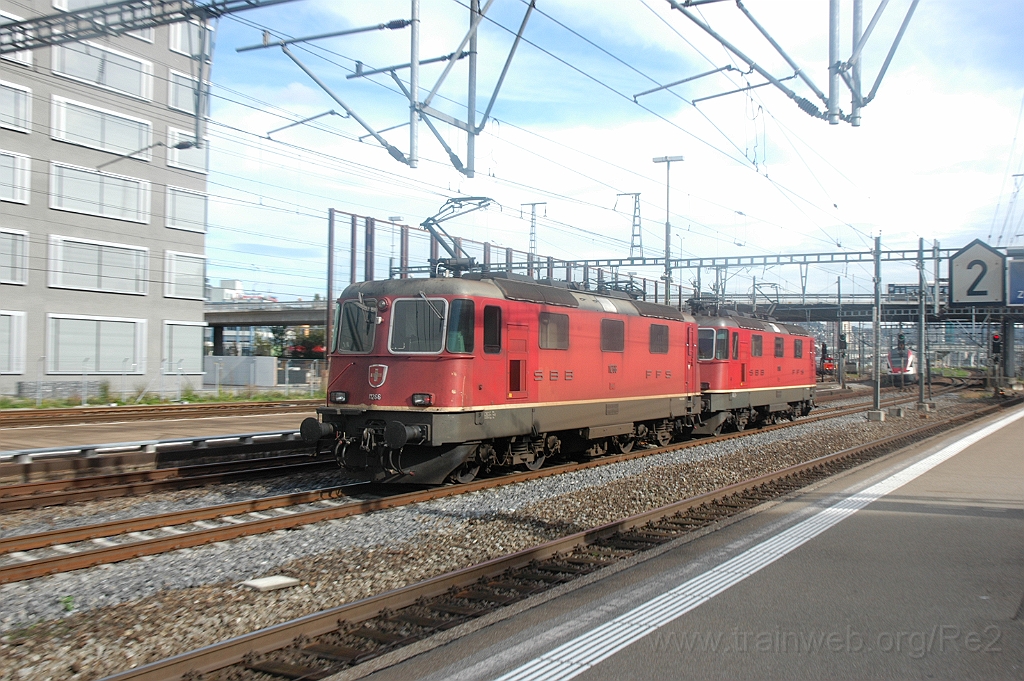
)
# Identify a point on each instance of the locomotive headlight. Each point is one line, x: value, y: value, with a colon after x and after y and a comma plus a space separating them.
x: 339, y: 397
x: 422, y: 399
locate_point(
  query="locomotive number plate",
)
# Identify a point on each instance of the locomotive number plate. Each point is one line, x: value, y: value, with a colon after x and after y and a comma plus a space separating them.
x: 375, y: 396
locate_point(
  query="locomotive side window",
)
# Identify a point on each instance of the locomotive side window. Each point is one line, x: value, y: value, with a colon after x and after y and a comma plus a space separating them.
x: 554, y: 331
x: 492, y: 329
x: 461, y: 326
x: 735, y: 345
x: 780, y: 346
x: 756, y: 345
x: 659, y: 339
x: 417, y: 325
x: 613, y: 335
x: 798, y: 348
x: 706, y: 344
x: 722, y: 344
x: 357, y: 326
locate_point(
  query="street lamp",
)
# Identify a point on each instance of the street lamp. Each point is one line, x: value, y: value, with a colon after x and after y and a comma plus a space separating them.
x: 667, y: 160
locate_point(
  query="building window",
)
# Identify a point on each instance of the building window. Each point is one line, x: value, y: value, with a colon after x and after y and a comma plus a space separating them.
x: 185, y: 275
x: 780, y: 346
x: 15, y: 178
x: 105, y: 68
x: 24, y: 57
x: 756, y: 345
x: 83, y: 190
x: 554, y: 331
x: 12, y: 342
x: 98, y: 266
x: 181, y: 93
x: 196, y: 160
x: 613, y: 335
x: 659, y: 339
x: 183, y: 347
x: 187, y: 37
x: 95, y: 345
x: 13, y: 256
x: 75, y: 5
x: 186, y: 209
x: 90, y: 126
x: 15, y: 107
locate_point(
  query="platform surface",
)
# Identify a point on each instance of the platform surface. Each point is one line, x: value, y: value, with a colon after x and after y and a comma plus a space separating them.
x: 925, y: 582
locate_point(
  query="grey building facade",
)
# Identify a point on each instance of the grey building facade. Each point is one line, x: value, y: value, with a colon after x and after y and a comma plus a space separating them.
x: 102, y: 258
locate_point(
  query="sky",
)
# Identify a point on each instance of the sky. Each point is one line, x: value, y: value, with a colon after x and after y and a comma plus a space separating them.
x: 934, y: 157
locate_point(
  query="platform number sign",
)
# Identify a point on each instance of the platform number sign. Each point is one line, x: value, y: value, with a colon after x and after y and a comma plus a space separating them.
x: 1016, y: 296
x: 977, y: 275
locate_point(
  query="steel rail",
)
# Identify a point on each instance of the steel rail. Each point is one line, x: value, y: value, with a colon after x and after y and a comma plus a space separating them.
x: 235, y: 650
x: 32, y: 417
x: 110, y: 554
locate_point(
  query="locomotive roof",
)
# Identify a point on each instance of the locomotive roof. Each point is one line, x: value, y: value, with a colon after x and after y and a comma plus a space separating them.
x: 753, y: 325
x: 514, y: 289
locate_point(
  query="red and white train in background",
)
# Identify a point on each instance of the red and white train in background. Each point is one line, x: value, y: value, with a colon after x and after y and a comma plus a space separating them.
x: 432, y: 380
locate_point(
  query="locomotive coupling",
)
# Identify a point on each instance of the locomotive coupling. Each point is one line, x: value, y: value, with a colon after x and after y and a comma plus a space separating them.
x: 398, y: 435
x: 313, y: 431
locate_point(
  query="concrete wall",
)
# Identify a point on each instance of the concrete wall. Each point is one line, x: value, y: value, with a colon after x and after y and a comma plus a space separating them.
x: 259, y: 372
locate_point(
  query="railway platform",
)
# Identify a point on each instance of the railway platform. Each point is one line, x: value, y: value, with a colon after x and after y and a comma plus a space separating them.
x: 911, y: 566
x: 70, y: 434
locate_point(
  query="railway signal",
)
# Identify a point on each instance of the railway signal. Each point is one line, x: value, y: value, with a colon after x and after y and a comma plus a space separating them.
x: 997, y: 344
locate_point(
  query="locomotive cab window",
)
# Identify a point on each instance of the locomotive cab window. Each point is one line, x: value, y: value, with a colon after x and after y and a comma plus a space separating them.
x: 356, y: 326
x: 735, y: 345
x: 417, y: 325
x: 722, y: 344
x: 705, y: 344
x: 613, y: 335
x: 659, y: 339
x: 554, y: 331
x: 780, y: 346
x: 798, y: 348
x: 756, y: 345
x: 492, y: 329
x: 461, y: 326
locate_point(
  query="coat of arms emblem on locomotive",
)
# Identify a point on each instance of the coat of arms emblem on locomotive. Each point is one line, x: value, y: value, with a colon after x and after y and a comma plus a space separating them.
x: 378, y: 374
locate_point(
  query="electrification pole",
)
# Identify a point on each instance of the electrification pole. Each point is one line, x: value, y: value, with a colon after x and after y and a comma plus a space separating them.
x: 876, y: 328
x: 922, y: 324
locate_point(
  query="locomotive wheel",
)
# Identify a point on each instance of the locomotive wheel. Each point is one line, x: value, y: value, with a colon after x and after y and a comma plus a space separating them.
x: 663, y: 437
x: 537, y: 462
x: 465, y: 473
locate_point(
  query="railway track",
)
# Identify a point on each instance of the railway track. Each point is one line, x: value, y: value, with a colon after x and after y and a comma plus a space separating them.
x: 34, y: 555
x: 382, y: 630
x: 10, y: 418
x: 90, y: 488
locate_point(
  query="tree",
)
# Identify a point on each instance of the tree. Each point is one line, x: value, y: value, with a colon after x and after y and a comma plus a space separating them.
x: 279, y: 336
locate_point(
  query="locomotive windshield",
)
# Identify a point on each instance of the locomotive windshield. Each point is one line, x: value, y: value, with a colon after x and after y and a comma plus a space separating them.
x: 356, y: 326
x: 896, y: 359
x: 417, y: 325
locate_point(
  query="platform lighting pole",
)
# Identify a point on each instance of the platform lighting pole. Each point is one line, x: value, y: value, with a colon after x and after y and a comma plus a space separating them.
x: 876, y: 328
x: 667, y: 160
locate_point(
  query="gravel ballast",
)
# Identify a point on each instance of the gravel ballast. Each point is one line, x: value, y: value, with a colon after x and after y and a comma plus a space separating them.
x: 94, y: 622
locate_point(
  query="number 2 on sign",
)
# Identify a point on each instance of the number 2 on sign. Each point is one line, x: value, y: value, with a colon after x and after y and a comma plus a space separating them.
x: 972, y: 290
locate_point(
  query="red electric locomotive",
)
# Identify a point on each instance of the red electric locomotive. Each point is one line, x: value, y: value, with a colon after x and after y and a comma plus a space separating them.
x: 432, y: 379
x: 753, y: 372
